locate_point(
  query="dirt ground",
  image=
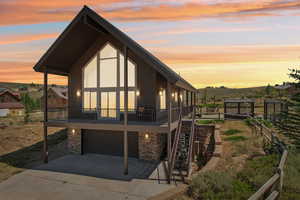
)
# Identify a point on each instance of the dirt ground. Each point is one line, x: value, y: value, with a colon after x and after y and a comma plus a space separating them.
x: 14, y: 138
x: 21, y: 147
x: 235, y: 153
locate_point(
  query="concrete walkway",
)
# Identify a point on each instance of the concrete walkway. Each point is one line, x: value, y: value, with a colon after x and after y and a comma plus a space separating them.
x: 86, y: 177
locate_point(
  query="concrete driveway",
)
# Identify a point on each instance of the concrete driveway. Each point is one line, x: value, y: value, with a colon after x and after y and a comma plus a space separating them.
x: 86, y: 177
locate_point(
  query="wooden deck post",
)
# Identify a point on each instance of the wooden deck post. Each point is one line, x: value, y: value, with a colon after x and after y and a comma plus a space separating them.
x: 125, y: 110
x: 169, y: 106
x: 45, y: 147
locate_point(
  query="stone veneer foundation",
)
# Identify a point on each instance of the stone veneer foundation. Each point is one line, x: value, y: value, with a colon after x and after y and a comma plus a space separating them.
x: 74, y: 140
x: 151, y: 146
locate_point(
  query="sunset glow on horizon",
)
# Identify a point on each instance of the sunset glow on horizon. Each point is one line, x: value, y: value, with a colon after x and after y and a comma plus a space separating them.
x: 232, y: 43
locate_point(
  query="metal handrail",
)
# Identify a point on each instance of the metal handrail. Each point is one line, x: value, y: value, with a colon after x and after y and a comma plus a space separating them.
x: 191, y: 142
x: 175, y: 147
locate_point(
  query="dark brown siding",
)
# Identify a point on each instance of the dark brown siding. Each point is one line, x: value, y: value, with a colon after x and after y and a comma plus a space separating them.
x: 109, y: 142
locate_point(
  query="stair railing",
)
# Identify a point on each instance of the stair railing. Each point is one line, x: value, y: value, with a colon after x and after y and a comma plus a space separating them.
x: 191, y: 143
x: 175, y: 147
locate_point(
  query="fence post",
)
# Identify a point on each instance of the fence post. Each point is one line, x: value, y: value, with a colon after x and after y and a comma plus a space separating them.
x: 280, y: 185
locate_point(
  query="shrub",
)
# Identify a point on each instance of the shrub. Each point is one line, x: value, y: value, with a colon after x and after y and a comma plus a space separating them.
x: 291, y: 184
x: 258, y: 170
x: 232, y: 132
x: 236, y: 138
x: 210, y: 121
x: 205, y: 121
x: 218, y: 185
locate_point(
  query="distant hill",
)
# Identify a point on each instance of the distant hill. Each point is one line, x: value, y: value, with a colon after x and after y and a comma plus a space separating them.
x: 221, y: 93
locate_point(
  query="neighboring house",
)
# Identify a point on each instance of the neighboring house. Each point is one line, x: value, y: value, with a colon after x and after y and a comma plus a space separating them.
x: 57, y: 102
x: 95, y: 56
x: 10, y: 104
x: 57, y: 98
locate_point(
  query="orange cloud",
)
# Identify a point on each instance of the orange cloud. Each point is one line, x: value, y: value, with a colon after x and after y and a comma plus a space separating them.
x: 22, y: 72
x: 150, y: 42
x: 198, y: 10
x: 36, y: 11
x: 227, y: 54
x: 185, y: 30
x: 13, y: 39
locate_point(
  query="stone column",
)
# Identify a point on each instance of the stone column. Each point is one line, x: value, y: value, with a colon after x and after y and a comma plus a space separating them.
x: 74, y: 141
x: 151, y: 146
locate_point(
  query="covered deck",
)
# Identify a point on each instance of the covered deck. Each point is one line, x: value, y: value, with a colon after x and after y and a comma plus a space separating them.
x: 238, y: 108
x: 273, y: 108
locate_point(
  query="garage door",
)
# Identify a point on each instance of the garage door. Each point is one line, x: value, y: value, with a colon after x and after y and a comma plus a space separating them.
x: 109, y: 142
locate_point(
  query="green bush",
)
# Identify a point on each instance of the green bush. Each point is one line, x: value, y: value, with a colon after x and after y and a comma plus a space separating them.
x: 232, y: 132
x: 291, y: 183
x: 218, y: 185
x: 209, y: 121
x: 235, y: 138
x: 258, y: 170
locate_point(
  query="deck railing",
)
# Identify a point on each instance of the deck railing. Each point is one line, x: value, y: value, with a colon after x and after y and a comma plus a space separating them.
x: 140, y: 114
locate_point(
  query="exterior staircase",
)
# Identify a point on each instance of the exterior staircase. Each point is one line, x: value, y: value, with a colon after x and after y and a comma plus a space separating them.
x: 181, y: 153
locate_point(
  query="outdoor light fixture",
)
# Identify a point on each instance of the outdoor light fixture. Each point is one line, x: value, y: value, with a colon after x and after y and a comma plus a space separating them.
x: 180, y: 97
x: 160, y: 93
x: 146, y: 136
x: 78, y: 93
x: 73, y: 131
x: 137, y: 93
x: 173, y: 94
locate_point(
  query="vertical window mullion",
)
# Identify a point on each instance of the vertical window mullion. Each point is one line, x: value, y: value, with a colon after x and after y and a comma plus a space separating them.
x: 98, y: 106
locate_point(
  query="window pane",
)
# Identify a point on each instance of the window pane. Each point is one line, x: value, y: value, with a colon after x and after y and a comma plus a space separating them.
x: 90, y: 74
x: 112, y: 104
x: 104, y: 104
x: 93, y: 100
x: 121, y: 100
x: 121, y: 70
x: 163, y: 99
x: 131, y: 72
x: 108, y: 52
x: 131, y: 100
x: 108, y: 73
x: 86, y: 100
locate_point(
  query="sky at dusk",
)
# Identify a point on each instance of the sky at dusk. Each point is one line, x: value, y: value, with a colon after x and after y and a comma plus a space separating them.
x: 233, y: 43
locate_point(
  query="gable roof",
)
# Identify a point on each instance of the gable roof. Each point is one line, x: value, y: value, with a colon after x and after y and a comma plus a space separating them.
x: 60, y: 92
x: 78, y: 29
x: 14, y: 94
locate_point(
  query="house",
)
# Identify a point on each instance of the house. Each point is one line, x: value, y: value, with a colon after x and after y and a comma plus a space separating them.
x: 57, y: 102
x: 57, y: 97
x: 10, y: 104
x: 122, y: 100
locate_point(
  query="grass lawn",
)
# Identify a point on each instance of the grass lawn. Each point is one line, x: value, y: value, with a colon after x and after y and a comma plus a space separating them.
x: 243, y: 167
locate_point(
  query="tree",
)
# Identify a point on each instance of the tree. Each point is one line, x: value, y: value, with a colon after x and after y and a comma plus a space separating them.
x: 289, y: 123
x: 268, y: 90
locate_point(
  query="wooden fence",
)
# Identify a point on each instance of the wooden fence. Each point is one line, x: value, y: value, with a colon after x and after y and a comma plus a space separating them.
x: 273, y: 187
